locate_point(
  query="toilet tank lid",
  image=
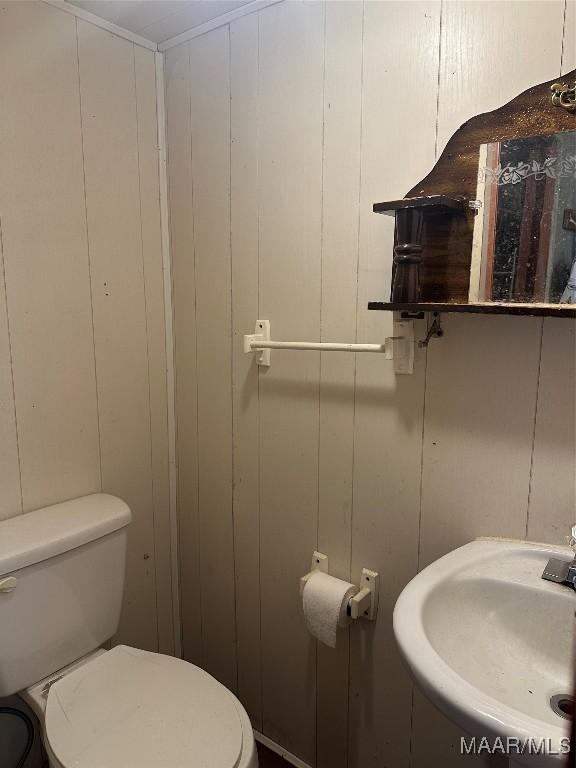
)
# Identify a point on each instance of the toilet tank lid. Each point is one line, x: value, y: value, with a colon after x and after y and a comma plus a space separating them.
x: 36, y: 536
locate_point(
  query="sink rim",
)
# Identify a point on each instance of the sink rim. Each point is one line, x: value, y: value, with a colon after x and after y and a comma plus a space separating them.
x: 470, y: 708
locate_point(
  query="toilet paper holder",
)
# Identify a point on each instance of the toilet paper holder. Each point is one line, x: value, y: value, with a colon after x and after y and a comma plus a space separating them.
x: 364, y: 604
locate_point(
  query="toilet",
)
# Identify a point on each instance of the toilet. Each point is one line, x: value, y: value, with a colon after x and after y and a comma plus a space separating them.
x: 61, y: 586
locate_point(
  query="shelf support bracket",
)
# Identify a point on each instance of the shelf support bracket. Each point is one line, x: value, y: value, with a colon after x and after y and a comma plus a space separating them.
x: 435, y: 330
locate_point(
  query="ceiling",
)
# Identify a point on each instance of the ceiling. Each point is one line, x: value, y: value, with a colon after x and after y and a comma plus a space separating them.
x: 158, y: 20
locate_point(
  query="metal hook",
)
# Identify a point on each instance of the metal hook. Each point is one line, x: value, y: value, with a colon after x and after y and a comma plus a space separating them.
x: 434, y: 330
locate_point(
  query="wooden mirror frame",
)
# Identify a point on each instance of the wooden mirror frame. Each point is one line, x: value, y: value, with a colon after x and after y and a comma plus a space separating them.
x: 447, y: 240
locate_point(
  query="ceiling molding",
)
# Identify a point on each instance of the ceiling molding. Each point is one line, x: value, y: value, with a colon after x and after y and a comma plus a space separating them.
x: 190, y: 34
x: 218, y: 21
x: 80, y: 13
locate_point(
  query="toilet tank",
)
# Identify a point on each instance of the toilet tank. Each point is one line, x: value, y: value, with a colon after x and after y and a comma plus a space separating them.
x: 61, y: 585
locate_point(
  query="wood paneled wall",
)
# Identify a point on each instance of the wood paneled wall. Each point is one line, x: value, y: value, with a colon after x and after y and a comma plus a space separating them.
x: 284, y: 128
x: 83, y: 401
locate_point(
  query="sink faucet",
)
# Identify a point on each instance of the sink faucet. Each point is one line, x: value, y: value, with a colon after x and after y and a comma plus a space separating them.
x: 562, y: 571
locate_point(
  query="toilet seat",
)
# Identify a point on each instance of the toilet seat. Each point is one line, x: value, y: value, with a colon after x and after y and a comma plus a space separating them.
x: 129, y: 708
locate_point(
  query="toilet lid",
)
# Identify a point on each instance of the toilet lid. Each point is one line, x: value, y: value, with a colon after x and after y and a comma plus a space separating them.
x: 134, y: 709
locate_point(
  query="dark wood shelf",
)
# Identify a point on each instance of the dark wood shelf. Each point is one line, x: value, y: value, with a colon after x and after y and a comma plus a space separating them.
x: 428, y: 203
x: 492, y: 308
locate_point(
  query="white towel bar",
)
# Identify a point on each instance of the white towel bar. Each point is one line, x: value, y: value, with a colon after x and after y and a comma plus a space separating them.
x: 324, y: 346
x: 399, y: 347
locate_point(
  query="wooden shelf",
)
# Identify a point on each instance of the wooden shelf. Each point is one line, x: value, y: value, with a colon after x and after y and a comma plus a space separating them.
x: 428, y: 203
x: 492, y: 308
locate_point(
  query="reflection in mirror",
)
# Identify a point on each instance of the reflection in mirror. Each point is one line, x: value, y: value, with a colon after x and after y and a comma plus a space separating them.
x: 524, y: 246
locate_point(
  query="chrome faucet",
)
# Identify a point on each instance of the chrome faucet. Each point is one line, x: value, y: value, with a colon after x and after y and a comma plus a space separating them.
x: 562, y: 571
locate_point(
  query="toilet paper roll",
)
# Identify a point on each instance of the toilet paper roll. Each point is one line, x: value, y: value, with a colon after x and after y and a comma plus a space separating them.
x: 325, y: 602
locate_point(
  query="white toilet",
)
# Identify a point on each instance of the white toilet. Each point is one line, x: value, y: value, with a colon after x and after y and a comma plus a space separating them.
x: 61, y: 584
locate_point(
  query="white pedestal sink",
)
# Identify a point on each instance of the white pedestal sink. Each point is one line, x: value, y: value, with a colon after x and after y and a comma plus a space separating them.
x: 489, y: 642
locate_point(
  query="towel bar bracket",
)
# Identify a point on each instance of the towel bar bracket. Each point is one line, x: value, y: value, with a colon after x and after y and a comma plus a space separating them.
x: 261, y: 334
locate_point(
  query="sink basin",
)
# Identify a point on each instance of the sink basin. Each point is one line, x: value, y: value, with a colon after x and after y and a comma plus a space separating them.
x: 489, y: 642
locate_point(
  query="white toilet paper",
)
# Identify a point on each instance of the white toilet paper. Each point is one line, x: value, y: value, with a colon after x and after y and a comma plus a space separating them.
x: 325, y: 601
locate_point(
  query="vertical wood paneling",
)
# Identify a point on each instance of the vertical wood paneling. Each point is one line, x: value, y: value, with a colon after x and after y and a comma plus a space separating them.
x: 154, y: 295
x: 388, y: 422
x: 46, y: 301
x: 184, y: 298
x: 552, y: 490
x: 291, y: 79
x: 110, y: 136
x: 210, y: 124
x: 310, y: 120
x: 341, y: 182
x: 482, y: 375
x: 441, y: 744
x: 483, y: 66
x: 45, y: 256
x: 569, y: 48
x: 244, y: 239
x: 480, y: 406
x: 11, y: 500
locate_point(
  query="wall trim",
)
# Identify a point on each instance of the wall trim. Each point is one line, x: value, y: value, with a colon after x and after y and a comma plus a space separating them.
x: 218, y: 21
x: 80, y: 13
x: 288, y: 756
x: 169, y: 336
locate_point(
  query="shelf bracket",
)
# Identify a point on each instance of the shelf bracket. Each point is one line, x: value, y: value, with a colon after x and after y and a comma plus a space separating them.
x: 435, y: 330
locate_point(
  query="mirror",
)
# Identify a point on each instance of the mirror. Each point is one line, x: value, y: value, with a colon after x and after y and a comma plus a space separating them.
x: 506, y: 243
x: 524, y: 241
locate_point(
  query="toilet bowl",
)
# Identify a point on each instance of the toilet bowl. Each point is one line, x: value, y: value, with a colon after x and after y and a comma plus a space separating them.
x: 61, y: 587
x: 128, y: 708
